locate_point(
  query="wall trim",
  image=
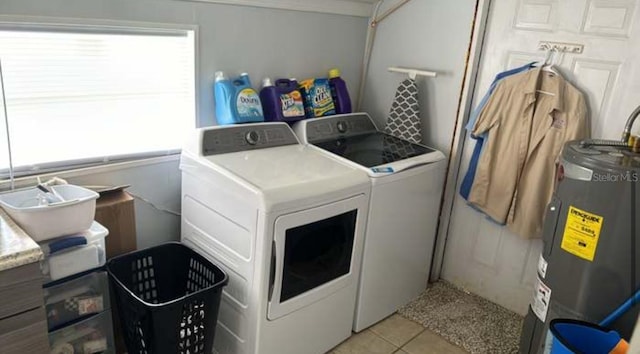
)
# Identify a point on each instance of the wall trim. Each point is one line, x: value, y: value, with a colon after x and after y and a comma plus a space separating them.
x: 360, y: 8
x: 27, y: 22
x: 22, y: 182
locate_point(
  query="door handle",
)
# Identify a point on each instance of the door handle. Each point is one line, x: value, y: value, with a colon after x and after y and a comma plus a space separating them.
x: 272, y: 269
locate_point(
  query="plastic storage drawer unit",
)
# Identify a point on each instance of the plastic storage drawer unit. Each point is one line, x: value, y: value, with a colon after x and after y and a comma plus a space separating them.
x: 76, y: 298
x: 93, y: 335
x: 74, y: 254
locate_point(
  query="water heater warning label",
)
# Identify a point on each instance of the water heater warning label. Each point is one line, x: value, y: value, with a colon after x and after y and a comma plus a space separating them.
x: 541, y: 299
x: 581, y: 233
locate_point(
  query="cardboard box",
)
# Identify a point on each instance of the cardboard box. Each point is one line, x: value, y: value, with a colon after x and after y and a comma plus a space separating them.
x: 115, y: 211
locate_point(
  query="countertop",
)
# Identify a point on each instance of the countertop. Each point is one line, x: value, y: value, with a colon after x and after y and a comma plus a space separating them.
x: 16, y: 247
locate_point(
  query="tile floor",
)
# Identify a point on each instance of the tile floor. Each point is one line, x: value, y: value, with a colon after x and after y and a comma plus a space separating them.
x: 396, y: 334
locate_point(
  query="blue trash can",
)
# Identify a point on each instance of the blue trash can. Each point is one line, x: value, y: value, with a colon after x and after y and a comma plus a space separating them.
x: 579, y: 337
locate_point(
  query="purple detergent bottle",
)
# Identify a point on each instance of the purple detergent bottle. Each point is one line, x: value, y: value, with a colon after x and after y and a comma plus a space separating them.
x: 282, y: 102
x: 339, y: 92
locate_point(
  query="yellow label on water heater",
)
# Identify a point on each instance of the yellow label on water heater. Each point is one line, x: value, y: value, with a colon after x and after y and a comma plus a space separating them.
x: 581, y: 233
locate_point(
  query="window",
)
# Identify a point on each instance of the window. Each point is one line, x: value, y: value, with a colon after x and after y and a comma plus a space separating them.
x: 76, y: 98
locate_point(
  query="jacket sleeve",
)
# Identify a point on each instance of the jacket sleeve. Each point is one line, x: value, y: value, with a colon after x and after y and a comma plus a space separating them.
x: 491, y: 111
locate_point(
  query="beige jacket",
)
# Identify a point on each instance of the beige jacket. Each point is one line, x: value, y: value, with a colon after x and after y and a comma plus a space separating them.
x: 527, y: 130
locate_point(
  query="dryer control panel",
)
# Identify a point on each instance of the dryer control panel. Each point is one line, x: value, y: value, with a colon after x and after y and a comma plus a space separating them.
x: 234, y: 138
x: 329, y: 128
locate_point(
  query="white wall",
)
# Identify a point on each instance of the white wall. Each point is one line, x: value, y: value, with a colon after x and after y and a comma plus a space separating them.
x: 234, y: 39
x: 432, y: 35
x: 259, y: 41
x: 159, y: 184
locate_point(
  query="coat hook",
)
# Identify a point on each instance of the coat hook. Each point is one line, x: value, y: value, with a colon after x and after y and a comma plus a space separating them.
x: 574, y: 48
x: 548, y: 57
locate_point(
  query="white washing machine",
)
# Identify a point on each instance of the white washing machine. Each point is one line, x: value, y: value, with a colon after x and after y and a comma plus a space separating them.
x: 286, y: 222
x: 406, y: 190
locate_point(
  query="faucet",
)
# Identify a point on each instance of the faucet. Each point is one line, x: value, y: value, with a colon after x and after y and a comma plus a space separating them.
x: 627, y: 128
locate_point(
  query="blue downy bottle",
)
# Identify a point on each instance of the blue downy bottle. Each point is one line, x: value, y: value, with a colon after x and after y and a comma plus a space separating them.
x: 236, y: 101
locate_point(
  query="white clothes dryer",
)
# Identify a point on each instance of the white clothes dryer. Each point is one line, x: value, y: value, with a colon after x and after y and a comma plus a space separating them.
x: 286, y: 223
x: 406, y: 190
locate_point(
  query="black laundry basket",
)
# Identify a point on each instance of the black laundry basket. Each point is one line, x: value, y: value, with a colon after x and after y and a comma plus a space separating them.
x: 167, y: 298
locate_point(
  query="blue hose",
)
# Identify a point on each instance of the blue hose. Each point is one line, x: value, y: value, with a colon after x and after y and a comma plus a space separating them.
x: 621, y: 310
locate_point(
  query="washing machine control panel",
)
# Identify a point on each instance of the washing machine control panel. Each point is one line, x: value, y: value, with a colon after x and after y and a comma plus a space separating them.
x: 339, y: 126
x: 342, y: 126
x: 234, y: 138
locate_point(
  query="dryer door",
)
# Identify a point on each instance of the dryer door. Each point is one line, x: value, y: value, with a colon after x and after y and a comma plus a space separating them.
x: 316, y: 253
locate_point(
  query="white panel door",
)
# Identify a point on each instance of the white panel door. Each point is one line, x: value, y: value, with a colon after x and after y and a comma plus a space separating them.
x: 481, y: 256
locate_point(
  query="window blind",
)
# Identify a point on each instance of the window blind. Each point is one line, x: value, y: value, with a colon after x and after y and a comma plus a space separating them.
x: 91, y: 97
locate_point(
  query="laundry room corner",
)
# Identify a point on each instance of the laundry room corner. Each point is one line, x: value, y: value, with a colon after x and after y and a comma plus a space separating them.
x: 427, y: 35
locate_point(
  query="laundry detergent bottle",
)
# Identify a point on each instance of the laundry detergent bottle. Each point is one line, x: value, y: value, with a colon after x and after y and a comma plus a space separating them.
x: 339, y: 92
x: 281, y: 102
x: 236, y: 101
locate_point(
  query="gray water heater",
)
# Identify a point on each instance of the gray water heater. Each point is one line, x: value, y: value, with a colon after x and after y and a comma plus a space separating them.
x: 589, y: 263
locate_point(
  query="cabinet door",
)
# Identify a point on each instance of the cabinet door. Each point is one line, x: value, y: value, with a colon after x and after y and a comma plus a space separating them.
x: 20, y: 289
x: 24, y: 333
